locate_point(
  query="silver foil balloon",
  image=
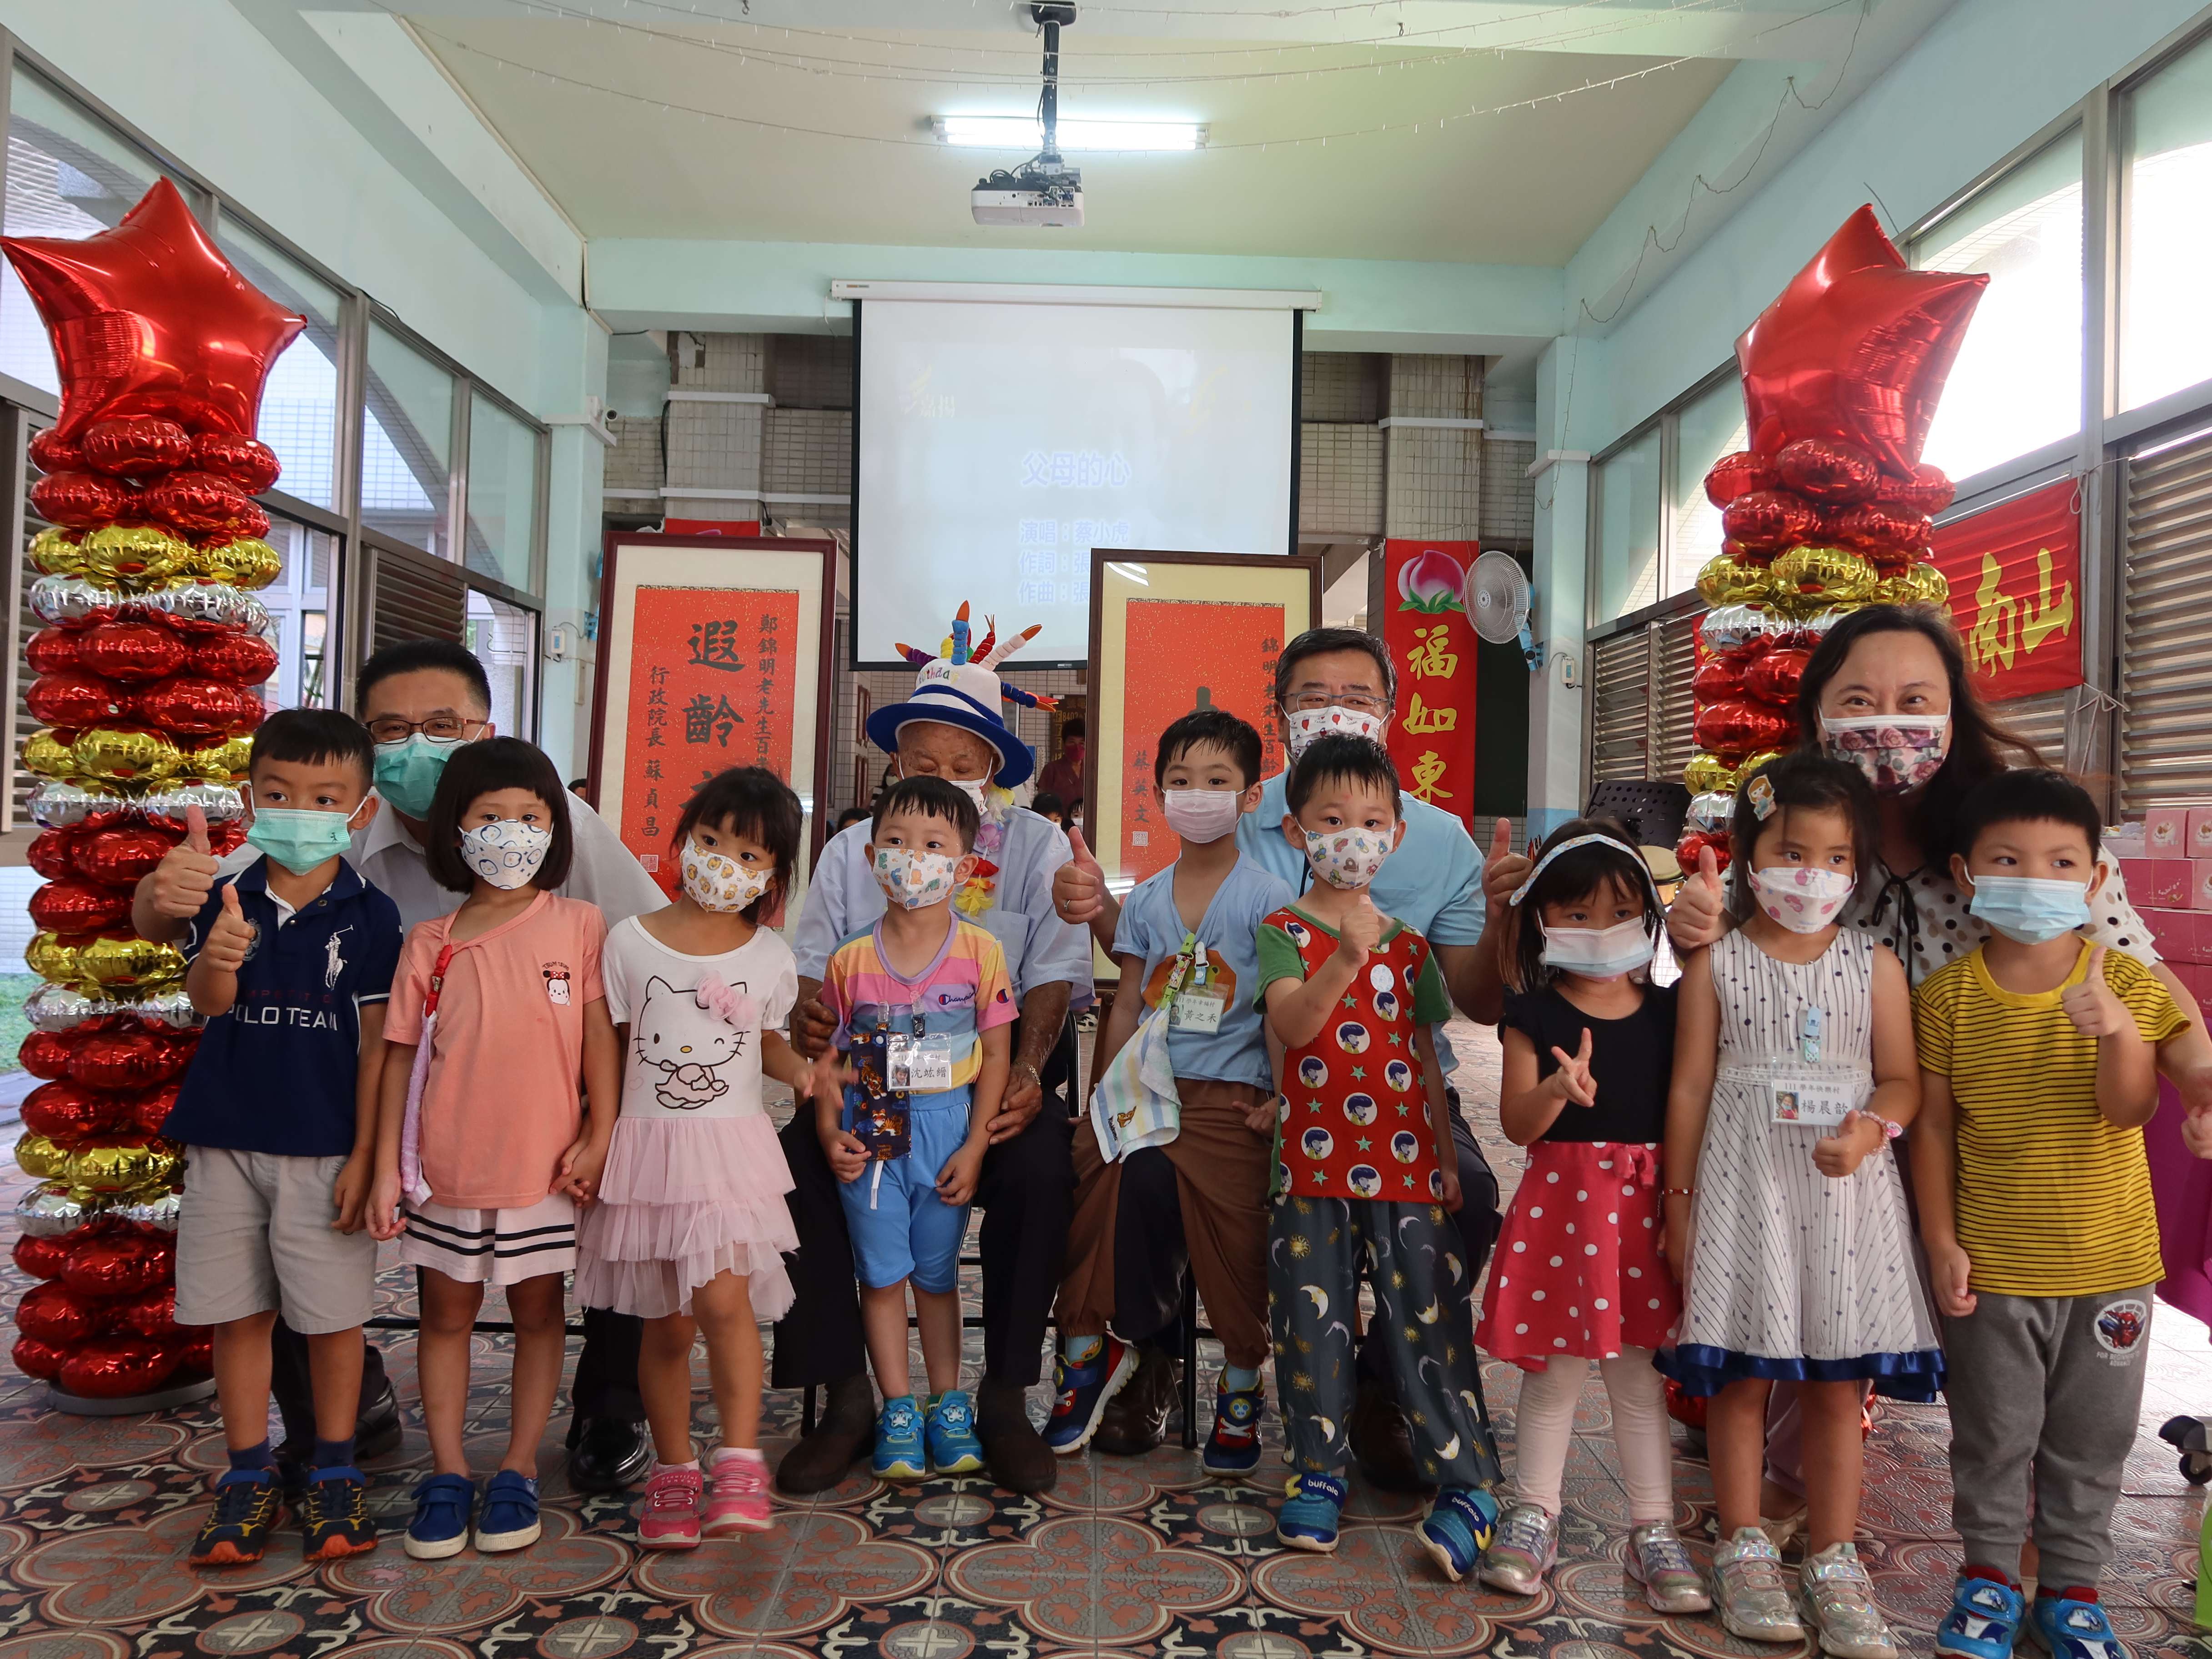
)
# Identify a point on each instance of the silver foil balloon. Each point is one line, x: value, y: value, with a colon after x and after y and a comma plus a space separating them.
x: 1714, y: 810
x: 171, y: 1008
x: 69, y: 601
x: 157, y: 1211
x: 1726, y: 626
x: 47, y: 1211
x: 203, y: 605
x: 64, y: 803
x: 60, y: 1008
x: 219, y: 801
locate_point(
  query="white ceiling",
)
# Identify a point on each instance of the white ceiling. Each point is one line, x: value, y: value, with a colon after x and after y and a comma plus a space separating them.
x: 641, y: 120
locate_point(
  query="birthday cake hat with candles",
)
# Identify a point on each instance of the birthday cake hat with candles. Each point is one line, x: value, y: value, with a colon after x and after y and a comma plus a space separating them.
x: 960, y: 686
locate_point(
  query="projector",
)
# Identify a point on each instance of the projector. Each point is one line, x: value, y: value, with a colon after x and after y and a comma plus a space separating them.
x: 1038, y: 192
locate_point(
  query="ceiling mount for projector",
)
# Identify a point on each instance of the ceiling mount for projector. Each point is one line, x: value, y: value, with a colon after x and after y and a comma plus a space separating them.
x: 1044, y: 189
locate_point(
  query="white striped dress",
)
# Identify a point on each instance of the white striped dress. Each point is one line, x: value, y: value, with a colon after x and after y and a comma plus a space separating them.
x: 1793, y: 1273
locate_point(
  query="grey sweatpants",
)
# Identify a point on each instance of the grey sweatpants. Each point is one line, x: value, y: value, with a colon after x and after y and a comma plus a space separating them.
x: 2051, y: 1385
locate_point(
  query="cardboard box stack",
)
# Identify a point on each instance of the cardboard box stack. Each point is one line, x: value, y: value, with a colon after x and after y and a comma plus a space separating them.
x: 2166, y: 859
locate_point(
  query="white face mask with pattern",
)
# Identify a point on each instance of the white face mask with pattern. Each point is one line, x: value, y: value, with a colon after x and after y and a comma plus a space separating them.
x: 507, y: 853
x: 717, y: 882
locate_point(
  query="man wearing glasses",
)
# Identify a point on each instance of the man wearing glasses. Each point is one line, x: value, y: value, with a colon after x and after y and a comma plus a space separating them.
x: 1329, y: 680
x: 420, y: 700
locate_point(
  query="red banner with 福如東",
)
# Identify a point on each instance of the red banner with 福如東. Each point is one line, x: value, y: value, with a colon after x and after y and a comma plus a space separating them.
x: 712, y: 675
x: 1433, y: 643
x: 2016, y: 574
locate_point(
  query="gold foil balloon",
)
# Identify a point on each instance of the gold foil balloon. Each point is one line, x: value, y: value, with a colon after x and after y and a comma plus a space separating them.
x: 1751, y: 764
x: 1721, y: 580
x: 40, y: 1158
x: 53, y: 553
x: 122, y: 1169
x: 129, y: 967
x: 1916, y: 584
x: 219, y: 762
x: 52, y: 960
x: 247, y: 562
x: 124, y: 756
x: 1810, y: 579
x: 1706, y: 773
x: 48, y: 756
x: 134, y: 556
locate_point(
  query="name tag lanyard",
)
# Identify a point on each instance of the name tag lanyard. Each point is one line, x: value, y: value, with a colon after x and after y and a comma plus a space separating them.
x: 418, y: 1077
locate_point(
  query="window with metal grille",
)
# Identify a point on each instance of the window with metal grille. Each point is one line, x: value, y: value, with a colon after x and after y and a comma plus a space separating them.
x: 418, y: 598
x: 1641, y: 711
x: 2165, y: 626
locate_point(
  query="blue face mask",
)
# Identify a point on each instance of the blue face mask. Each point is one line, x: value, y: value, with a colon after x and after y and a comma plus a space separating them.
x: 407, y: 772
x: 2030, y: 911
x: 299, y: 840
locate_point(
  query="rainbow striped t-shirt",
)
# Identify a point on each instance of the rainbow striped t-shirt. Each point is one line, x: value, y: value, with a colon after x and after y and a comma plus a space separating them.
x: 963, y: 992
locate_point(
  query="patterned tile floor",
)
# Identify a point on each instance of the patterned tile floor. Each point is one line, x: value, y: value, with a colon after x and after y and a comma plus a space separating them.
x: 1141, y: 1557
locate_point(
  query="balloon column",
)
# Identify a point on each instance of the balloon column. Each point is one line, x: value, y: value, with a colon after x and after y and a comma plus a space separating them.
x: 1830, y: 508
x: 151, y: 645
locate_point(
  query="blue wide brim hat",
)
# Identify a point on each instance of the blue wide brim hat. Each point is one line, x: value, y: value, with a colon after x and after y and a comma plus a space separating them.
x: 959, y: 686
x: 942, y: 704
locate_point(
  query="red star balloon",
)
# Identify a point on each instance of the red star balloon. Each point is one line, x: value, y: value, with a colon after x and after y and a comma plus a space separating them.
x: 150, y: 319
x: 1856, y: 349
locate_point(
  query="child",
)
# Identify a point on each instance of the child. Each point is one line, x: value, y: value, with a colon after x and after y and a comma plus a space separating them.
x: 2038, y: 1073
x: 1365, y: 1170
x: 291, y: 962
x: 497, y: 1020
x: 1198, y: 919
x: 1801, y: 1265
x: 1580, y: 1276
x: 691, y: 1222
x: 923, y: 1004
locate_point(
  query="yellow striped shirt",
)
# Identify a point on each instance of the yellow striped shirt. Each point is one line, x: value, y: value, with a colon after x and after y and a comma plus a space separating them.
x: 2053, y: 1200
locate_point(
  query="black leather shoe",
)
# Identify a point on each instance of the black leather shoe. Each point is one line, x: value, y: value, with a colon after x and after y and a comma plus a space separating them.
x: 1381, y: 1443
x: 377, y: 1428
x: 607, y: 1455
x: 1020, y: 1459
x: 1136, y: 1420
x: 846, y: 1433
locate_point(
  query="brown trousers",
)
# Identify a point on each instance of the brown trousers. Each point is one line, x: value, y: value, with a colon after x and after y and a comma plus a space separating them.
x: 1222, y: 1171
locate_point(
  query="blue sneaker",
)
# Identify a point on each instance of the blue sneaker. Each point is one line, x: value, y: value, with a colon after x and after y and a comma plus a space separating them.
x: 1307, y: 1520
x: 1459, y: 1527
x: 950, y: 1429
x: 899, y: 1454
x: 1080, y: 1392
x: 440, y: 1526
x: 509, y: 1520
x: 1984, y: 1619
x: 1233, y: 1448
x: 2067, y: 1629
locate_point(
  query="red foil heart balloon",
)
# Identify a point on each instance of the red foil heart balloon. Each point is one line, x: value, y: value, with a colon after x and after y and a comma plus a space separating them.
x: 1738, y: 726
x: 133, y: 652
x: 203, y: 503
x: 1766, y: 520
x: 126, y: 1059
x: 1929, y: 490
x: 47, y: 1055
x: 44, y: 1258
x: 1828, y: 472
x: 1717, y: 678
x: 234, y: 658
x: 118, y: 1367
x: 51, y: 453
x: 51, y: 651
x: 1886, y: 535
x: 121, y: 857
x: 74, y: 905
x: 51, y: 854
x: 55, y: 1313
x: 1773, y: 677
x: 1737, y: 474
x: 196, y: 1352
x: 115, y: 1264
x: 1699, y: 841
x: 152, y: 1313
x: 69, y: 1114
x: 149, y: 1112
x: 188, y: 706
x: 82, y: 501
x: 247, y: 462
x: 74, y: 699
x: 43, y: 1360
x: 136, y: 448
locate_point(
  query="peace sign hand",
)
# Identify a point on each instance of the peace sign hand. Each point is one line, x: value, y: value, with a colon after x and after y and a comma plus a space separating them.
x: 1572, y: 1081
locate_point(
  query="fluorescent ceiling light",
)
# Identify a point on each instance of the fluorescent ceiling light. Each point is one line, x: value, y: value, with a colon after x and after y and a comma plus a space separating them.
x: 1025, y: 132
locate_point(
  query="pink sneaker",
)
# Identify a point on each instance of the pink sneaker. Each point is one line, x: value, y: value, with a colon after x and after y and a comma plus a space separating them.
x: 740, y: 1499
x: 668, y: 1519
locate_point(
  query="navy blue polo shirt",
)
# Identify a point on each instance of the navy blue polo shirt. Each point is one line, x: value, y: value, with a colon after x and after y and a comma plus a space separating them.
x: 278, y: 1072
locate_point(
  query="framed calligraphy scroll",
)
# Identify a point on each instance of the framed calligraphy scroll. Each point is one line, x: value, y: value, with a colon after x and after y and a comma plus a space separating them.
x: 713, y: 652
x: 1171, y: 632
x: 1437, y: 655
x: 2016, y: 576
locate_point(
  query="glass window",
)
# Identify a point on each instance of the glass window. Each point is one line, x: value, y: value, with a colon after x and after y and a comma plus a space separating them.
x: 1705, y: 428
x: 407, y: 446
x: 2017, y: 383
x: 1628, y: 529
x: 68, y: 176
x: 299, y: 603
x: 502, y: 495
x: 2166, y: 330
x: 300, y: 401
x: 505, y: 640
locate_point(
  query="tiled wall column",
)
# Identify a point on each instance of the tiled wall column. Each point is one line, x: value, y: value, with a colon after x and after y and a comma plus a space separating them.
x: 717, y: 400
x: 1433, y: 474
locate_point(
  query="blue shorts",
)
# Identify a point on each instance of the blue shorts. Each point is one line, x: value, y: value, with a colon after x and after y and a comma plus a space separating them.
x: 900, y: 1227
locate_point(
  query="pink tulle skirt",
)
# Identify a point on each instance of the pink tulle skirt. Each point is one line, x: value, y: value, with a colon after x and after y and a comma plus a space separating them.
x: 681, y: 1200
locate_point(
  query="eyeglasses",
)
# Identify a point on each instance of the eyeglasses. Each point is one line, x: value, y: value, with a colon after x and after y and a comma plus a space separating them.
x: 1358, y: 703
x: 439, y: 728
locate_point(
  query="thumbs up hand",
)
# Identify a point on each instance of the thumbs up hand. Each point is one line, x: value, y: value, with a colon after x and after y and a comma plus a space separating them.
x: 232, y: 937
x: 2091, y: 1005
x: 1078, y: 886
x: 1699, y: 915
x: 1503, y: 870
x: 186, y: 875
x: 1361, y: 930
x: 1840, y: 1154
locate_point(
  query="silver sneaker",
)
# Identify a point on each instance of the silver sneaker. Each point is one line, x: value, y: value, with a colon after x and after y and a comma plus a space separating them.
x: 1658, y: 1561
x: 1522, y: 1549
x: 1841, y: 1597
x: 1752, y: 1593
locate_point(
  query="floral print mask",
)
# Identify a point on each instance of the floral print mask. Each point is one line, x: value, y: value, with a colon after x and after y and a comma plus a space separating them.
x: 1348, y: 857
x: 1897, y: 752
x: 717, y: 882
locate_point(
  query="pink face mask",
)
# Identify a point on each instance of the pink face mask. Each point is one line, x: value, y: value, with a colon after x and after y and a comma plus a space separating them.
x: 1803, y: 899
x: 1897, y: 752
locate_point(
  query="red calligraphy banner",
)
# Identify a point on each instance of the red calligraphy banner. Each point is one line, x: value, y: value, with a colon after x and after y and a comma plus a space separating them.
x: 1183, y: 654
x: 2016, y: 574
x: 1427, y: 631
x: 711, y: 683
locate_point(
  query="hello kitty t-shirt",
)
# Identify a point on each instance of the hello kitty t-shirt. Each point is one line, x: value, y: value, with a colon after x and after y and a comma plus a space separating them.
x: 694, y: 1021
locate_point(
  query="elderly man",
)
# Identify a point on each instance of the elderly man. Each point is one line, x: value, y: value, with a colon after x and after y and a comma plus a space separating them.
x: 951, y: 728
x: 1327, y: 679
x: 421, y: 700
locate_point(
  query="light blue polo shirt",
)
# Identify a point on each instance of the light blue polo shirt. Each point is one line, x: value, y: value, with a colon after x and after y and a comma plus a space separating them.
x: 1152, y: 930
